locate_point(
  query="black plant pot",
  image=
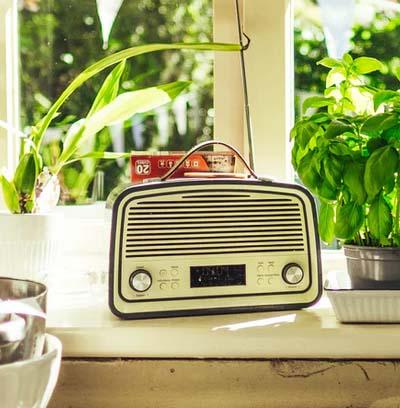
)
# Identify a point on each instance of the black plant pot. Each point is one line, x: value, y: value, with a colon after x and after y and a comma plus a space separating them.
x: 373, y: 268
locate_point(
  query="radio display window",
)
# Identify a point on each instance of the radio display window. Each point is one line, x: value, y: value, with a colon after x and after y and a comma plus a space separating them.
x: 217, y: 275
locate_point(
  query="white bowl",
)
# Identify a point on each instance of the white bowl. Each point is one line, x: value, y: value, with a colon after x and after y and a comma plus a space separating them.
x: 30, y: 383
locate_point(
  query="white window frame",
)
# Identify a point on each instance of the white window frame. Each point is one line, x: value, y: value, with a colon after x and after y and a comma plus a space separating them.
x: 270, y: 71
x: 9, y: 82
x: 270, y: 78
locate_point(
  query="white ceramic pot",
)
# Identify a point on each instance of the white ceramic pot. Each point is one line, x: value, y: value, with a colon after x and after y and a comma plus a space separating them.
x: 29, y: 245
x: 30, y: 383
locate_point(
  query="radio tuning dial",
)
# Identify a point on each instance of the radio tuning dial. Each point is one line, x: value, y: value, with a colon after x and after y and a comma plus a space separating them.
x: 140, y: 280
x: 292, y: 273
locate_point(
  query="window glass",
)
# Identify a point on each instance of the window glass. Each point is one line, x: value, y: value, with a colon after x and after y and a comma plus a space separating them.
x: 362, y: 27
x: 330, y: 28
x: 58, y: 39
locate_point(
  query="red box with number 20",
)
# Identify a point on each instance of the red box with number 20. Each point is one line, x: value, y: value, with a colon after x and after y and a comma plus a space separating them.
x: 147, y: 166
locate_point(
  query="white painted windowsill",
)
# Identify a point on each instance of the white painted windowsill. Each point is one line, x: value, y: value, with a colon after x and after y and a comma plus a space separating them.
x: 90, y: 330
x: 79, y: 316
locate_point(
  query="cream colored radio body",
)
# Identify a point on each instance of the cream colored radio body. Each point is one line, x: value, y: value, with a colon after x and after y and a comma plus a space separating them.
x: 201, y: 246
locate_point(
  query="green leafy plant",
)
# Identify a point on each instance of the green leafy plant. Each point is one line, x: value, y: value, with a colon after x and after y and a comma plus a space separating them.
x: 32, y: 181
x: 346, y: 151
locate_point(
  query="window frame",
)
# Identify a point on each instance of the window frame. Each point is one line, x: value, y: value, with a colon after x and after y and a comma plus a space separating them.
x: 270, y: 84
x: 9, y: 83
x: 269, y: 28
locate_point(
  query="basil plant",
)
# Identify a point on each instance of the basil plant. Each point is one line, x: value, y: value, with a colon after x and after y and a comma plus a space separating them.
x: 346, y: 151
x: 33, y: 187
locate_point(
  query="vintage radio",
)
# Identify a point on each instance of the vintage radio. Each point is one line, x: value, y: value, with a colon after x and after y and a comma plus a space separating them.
x: 209, y: 246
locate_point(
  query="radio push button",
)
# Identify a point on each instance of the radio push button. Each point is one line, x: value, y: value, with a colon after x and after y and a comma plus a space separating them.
x: 292, y: 274
x: 140, y: 280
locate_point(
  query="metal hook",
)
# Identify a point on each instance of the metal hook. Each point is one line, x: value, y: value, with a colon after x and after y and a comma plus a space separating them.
x: 248, y: 41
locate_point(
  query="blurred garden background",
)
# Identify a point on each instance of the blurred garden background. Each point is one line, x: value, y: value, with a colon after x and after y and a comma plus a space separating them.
x: 58, y: 39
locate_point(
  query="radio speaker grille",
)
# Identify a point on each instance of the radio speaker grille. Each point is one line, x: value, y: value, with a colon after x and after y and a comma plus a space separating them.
x: 199, y: 224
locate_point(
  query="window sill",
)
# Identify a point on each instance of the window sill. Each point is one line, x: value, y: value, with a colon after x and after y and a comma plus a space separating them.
x: 81, y: 319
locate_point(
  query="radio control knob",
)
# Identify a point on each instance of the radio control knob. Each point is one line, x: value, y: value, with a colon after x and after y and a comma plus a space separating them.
x: 292, y: 274
x: 140, y: 280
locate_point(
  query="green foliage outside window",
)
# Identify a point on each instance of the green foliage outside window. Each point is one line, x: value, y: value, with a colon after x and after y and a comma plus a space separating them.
x: 58, y: 39
x: 379, y: 39
x: 66, y: 36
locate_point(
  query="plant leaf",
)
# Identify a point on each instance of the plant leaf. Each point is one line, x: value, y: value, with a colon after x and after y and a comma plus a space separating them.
x: 109, y: 89
x: 326, y: 225
x: 317, y: 102
x: 333, y: 169
x: 397, y: 72
x: 375, y: 143
x: 347, y: 59
x: 340, y: 149
x: 354, y: 180
x: 380, y: 121
x: 114, y: 59
x: 308, y: 171
x: 390, y: 185
x: 305, y: 130
x: 121, y: 108
x: 26, y: 174
x: 384, y: 96
x: 365, y: 65
x: 329, y: 62
x: 335, y: 76
x: 379, y: 169
x: 128, y: 104
x: 392, y: 133
x: 326, y: 191
x: 349, y: 219
x: 10, y: 195
x: 294, y: 153
x: 106, y: 94
x: 380, y: 219
x: 100, y: 155
x: 336, y: 128
x: 319, y: 117
x: 71, y: 143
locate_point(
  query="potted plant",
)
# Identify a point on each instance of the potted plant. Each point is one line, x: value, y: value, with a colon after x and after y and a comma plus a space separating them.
x: 346, y: 151
x: 30, y: 233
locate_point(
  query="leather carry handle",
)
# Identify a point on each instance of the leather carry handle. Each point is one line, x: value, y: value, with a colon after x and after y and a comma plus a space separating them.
x: 200, y: 146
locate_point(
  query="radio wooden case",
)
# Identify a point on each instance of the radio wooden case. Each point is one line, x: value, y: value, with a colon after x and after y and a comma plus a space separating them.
x: 192, y: 247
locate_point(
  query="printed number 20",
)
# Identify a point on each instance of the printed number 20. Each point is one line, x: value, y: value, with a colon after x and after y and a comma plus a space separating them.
x: 142, y: 169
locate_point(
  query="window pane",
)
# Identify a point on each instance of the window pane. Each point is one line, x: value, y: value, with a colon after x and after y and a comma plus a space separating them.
x: 361, y: 27
x: 58, y: 39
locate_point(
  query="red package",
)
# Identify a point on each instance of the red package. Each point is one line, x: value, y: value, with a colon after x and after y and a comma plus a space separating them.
x: 145, y: 165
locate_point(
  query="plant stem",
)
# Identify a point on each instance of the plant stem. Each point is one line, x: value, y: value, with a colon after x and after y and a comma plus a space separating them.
x: 366, y: 234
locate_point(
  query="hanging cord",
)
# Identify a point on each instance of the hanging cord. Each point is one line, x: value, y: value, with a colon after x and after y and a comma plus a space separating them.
x: 244, y: 82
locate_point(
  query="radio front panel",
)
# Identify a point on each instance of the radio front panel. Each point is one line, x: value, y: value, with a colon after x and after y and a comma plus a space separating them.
x: 203, y: 277
x: 183, y: 247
